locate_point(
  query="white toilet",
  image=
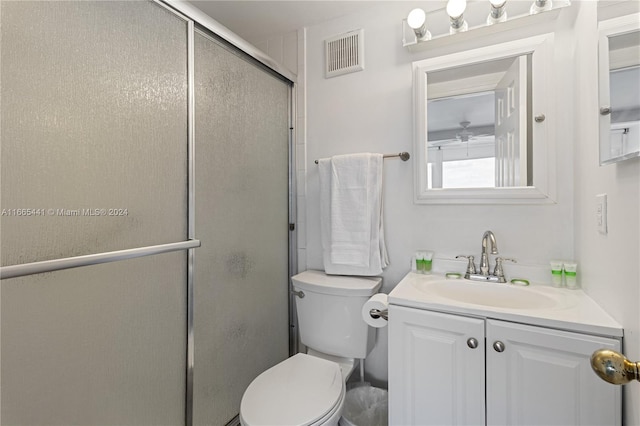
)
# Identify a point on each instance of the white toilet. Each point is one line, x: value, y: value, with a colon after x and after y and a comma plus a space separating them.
x: 309, y: 389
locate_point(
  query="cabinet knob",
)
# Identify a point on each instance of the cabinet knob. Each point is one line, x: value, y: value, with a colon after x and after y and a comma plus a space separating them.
x: 540, y: 118
x: 498, y: 346
x: 472, y: 343
x: 605, y: 110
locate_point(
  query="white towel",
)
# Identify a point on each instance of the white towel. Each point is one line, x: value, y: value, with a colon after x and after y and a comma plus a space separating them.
x: 351, y: 214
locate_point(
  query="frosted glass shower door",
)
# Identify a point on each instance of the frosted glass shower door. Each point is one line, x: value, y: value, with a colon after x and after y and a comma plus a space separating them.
x: 241, y: 270
x: 93, y: 159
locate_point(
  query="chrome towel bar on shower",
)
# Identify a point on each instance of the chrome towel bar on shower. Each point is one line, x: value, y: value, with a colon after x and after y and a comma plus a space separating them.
x: 404, y: 156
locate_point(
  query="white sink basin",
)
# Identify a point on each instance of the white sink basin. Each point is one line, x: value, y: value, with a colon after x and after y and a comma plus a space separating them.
x: 488, y: 294
x: 537, y: 304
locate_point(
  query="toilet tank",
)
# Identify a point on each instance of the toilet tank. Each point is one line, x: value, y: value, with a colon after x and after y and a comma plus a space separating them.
x: 330, y: 313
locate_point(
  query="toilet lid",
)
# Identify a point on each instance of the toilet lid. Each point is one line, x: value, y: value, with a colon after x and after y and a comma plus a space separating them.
x: 298, y: 391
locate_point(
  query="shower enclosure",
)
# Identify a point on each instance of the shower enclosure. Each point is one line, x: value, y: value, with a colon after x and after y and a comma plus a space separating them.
x: 152, y: 154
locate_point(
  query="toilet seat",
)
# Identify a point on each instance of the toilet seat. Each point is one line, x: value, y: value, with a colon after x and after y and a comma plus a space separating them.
x: 302, y: 390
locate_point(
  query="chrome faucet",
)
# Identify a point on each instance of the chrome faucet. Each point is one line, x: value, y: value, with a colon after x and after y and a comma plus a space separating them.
x: 487, y: 238
x: 489, y: 245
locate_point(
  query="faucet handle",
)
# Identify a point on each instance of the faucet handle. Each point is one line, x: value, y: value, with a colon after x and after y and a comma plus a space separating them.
x: 498, y: 271
x: 471, y: 267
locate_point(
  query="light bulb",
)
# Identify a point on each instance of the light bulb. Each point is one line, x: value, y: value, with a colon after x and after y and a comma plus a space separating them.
x: 540, y: 6
x: 455, y: 10
x: 417, y: 21
x: 498, y: 12
x: 416, y: 18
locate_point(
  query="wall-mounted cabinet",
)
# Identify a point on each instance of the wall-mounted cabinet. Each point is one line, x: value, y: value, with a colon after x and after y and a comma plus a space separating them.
x: 461, y: 370
x: 619, y: 85
x: 484, y: 125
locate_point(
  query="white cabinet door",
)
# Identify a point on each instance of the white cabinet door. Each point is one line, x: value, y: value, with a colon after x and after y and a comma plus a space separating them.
x: 435, y: 377
x: 544, y: 377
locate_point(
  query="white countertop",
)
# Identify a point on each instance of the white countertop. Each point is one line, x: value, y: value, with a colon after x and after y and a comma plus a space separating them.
x: 564, y: 309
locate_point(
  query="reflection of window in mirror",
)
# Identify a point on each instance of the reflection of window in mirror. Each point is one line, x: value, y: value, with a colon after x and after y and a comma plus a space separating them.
x: 624, y: 87
x: 478, y: 129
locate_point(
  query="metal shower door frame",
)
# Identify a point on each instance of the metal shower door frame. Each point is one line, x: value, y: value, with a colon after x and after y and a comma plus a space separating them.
x: 193, y: 16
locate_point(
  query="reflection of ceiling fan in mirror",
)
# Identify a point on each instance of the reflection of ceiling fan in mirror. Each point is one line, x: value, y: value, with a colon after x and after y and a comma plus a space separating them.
x: 462, y: 135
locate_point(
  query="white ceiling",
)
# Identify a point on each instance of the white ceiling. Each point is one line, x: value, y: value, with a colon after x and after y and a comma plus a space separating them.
x: 254, y: 19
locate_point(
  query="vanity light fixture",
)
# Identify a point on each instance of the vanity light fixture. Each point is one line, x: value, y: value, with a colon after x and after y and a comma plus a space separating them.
x: 417, y: 21
x: 455, y: 10
x: 414, y: 26
x: 540, y: 6
x: 498, y: 12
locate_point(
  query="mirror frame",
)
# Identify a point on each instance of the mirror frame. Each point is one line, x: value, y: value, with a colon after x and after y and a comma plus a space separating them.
x: 544, y: 152
x: 606, y: 29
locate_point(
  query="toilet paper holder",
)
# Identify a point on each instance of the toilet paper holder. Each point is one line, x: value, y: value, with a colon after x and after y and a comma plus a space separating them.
x: 377, y: 313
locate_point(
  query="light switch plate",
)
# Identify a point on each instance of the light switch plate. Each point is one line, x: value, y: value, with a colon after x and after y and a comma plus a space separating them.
x: 601, y: 213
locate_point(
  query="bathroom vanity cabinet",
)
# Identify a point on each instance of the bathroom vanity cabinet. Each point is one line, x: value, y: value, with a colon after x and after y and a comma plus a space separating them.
x: 446, y: 368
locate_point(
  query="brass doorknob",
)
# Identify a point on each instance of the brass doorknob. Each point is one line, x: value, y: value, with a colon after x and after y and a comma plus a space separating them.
x: 614, y: 367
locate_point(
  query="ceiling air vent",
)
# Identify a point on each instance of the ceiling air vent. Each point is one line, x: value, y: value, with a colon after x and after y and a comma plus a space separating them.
x: 344, y: 53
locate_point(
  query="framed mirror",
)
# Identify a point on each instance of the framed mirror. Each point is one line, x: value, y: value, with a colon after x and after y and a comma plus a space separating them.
x: 481, y: 121
x: 619, y: 86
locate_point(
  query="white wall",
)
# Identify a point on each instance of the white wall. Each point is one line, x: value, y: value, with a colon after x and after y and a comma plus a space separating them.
x: 609, y: 264
x: 372, y: 111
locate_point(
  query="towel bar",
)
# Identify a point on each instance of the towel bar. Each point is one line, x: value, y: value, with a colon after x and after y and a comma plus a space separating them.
x: 404, y: 156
